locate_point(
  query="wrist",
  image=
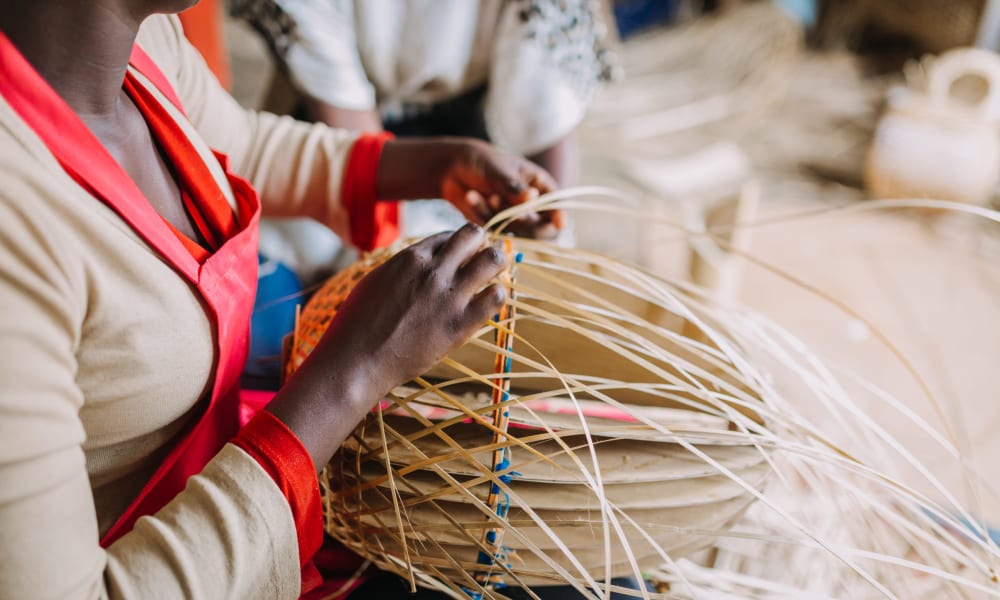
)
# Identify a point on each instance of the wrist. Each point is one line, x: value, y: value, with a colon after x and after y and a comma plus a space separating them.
x: 323, y: 402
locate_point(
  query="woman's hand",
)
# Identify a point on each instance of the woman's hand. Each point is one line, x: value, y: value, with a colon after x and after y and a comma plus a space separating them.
x: 479, y: 179
x: 399, y: 321
x: 421, y: 304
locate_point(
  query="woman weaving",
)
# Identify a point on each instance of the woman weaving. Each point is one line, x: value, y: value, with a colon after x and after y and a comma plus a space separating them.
x: 128, y: 252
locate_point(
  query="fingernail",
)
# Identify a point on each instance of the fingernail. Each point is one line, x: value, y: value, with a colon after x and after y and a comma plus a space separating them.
x: 558, y: 220
x: 547, y: 231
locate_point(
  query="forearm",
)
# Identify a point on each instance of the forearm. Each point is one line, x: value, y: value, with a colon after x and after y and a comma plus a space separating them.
x: 322, y: 403
x: 229, y: 534
x: 561, y: 160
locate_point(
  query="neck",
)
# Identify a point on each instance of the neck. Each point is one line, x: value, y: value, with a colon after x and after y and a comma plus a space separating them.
x: 81, y: 48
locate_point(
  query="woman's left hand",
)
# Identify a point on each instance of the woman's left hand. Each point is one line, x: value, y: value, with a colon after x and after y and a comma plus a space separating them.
x: 479, y: 179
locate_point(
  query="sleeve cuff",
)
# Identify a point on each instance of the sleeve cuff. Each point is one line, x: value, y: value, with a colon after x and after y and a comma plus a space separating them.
x: 279, y: 452
x: 373, y: 224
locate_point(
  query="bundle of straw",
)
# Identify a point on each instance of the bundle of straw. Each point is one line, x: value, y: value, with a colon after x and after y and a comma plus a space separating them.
x: 937, y: 25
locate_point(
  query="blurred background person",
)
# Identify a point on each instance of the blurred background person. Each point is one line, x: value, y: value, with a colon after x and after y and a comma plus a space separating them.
x: 515, y: 72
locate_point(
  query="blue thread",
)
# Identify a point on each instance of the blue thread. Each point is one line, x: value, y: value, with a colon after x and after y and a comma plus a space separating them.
x: 504, y: 460
x: 504, y: 507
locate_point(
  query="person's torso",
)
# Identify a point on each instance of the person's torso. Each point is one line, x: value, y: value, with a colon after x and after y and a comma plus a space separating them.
x: 142, y: 341
x: 137, y: 325
x: 425, y: 51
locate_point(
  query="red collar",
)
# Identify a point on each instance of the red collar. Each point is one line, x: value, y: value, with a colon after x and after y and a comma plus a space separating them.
x: 84, y: 157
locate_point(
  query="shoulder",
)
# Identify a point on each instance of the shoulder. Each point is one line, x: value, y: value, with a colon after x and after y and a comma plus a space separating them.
x: 38, y: 204
x: 25, y: 178
x: 160, y: 33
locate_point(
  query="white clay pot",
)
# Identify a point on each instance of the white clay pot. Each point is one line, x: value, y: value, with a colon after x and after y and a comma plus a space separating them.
x: 933, y: 145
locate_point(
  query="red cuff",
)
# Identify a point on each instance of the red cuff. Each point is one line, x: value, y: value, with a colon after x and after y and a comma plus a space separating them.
x: 273, y: 445
x: 373, y: 224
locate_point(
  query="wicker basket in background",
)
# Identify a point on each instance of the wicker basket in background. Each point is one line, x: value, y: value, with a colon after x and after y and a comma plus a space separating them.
x: 934, y: 25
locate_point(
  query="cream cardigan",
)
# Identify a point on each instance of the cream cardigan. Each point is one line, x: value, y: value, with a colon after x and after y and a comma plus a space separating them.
x: 104, y: 350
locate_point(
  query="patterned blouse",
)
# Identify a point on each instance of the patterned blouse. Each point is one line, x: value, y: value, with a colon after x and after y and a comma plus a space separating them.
x: 540, y: 61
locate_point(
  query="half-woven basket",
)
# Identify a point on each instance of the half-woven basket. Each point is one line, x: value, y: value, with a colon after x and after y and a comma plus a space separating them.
x: 579, y: 437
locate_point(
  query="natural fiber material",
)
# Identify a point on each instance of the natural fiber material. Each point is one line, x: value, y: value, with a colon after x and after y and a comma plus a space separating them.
x: 687, y: 87
x: 632, y: 448
x: 936, y: 25
x: 603, y: 473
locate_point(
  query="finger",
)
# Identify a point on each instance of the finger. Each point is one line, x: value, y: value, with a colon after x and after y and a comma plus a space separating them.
x: 541, y: 180
x: 513, y: 180
x: 428, y: 247
x: 477, y: 203
x: 455, y: 193
x: 557, y: 218
x: 503, y: 174
x: 460, y: 247
x: 546, y: 231
x: 525, y: 225
x: 493, y: 172
x: 481, y: 268
x: 483, y: 306
x: 528, y: 195
x: 549, y: 224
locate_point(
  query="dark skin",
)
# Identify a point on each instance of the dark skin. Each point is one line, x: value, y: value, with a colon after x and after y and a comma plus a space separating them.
x: 560, y: 159
x: 103, y: 31
x: 438, y: 302
x: 403, y: 317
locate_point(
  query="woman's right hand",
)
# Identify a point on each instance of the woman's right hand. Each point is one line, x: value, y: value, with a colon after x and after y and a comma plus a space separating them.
x: 400, y: 320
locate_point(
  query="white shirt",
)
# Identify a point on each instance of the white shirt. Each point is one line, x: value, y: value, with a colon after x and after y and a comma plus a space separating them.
x: 540, y: 61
